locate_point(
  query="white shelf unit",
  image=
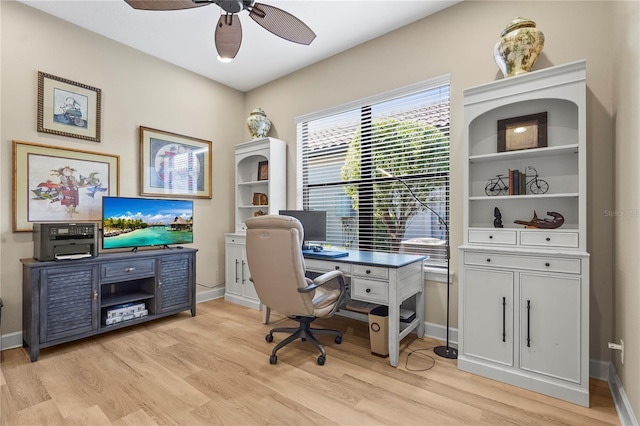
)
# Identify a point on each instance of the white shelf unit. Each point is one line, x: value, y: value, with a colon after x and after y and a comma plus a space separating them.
x: 524, y: 292
x: 248, y: 157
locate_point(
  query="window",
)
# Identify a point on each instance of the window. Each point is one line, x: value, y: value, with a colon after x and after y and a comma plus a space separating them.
x: 343, y: 155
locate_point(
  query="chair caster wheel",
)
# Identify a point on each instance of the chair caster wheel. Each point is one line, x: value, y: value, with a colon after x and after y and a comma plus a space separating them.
x: 321, y: 360
x: 269, y: 338
x: 338, y: 339
x: 273, y: 359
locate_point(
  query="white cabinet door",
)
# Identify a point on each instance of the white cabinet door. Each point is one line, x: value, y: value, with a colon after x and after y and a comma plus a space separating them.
x: 550, y: 324
x: 234, y: 269
x: 488, y: 315
x: 238, y: 288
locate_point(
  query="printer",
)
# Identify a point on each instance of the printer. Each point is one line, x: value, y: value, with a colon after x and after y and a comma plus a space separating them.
x: 60, y: 241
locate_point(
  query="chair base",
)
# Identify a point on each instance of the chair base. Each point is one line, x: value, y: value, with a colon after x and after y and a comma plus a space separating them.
x: 304, y: 332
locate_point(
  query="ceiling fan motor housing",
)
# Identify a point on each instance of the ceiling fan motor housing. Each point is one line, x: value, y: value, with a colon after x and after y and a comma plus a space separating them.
x: 234, y: 6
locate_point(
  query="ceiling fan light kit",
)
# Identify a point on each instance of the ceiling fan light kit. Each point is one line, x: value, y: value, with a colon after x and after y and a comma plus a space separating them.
x: 228, y: 33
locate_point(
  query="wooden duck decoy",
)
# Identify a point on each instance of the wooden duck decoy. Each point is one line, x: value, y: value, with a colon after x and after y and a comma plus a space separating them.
x: 546, y: 223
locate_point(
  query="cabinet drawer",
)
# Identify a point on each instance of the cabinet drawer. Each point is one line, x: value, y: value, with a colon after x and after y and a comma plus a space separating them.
x: 126, y: 270
x: 324, y: 266
x: 369, y: 290
x: 492, y: 236
x: 549, y: 239
x: 551, y: 264
x: 370, y: 271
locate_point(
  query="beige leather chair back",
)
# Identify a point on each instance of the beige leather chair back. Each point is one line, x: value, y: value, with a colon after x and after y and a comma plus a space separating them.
x: 276, y: 264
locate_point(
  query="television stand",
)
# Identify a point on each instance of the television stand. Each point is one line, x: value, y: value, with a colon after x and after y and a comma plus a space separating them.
x: 71, y: 300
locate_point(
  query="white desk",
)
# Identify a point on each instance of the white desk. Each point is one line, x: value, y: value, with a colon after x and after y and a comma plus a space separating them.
x: 381, y: 278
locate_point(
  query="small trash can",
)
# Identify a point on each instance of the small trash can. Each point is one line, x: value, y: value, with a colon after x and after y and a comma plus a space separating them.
x: 379, y: 330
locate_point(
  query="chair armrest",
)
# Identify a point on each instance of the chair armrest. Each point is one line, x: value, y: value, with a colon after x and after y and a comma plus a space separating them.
x: 323, y: 279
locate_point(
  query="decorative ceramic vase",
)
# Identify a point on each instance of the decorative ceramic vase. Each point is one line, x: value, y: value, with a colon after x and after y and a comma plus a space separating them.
x: 258, y: 123
x: 520, y: 44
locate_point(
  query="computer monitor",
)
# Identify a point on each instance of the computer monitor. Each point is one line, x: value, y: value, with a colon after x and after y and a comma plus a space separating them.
x: 314, y: 223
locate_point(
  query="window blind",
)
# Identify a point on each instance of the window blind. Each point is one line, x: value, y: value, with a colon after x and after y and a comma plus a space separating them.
x: 344, y: 156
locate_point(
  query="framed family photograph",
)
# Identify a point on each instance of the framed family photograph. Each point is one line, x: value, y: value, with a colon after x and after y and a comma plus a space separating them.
x: 174, y: 165
x: 524, y: 132
x: 67, y: 108
x: 52, y: 184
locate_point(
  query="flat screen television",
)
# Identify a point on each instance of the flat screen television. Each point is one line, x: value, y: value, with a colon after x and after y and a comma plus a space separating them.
x: 314, y: 223
x: 144, y: 222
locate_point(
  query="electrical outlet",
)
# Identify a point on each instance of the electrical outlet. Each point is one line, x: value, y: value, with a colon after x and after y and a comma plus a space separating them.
x: 620, y: 348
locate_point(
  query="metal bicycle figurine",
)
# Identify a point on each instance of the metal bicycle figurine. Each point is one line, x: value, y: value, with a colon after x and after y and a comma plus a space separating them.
x: 536, y: 186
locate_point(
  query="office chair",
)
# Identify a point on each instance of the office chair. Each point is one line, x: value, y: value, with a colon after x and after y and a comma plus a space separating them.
x: 276, y: 265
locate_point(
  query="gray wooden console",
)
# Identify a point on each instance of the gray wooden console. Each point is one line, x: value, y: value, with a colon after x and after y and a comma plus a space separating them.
x: 67, y: 300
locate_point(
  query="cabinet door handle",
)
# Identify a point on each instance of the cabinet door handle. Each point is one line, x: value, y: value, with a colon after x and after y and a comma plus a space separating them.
x: 243, y: 263
x: 548, y: 239
x: 236, y: 270
x: 337, y: 268
x: 368, y: 290
x: 159, y: 284
x: 528, y: 323
x: 488, y: 260
x: 368, y: 271
x: 504, y: 319
x: 95, y: 295
x: 547, y: 264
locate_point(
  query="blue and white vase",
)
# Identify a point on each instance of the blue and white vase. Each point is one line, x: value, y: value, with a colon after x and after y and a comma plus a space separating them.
x: 258, y: 123
x: 519, y: 46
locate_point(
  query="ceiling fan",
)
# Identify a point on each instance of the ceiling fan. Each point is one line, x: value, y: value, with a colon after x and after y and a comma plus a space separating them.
x: 228, y: 34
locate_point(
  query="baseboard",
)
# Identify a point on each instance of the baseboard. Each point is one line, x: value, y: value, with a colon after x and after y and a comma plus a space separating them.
x: 209, y: 294
x: 623, y: 406
x: 11, y: 340
x: 439, y: 332
x: 599, y: 369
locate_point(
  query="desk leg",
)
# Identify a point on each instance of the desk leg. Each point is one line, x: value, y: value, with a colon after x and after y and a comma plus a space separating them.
x: 266, y: 312
x: 420, y: 309
x: 394, y: 334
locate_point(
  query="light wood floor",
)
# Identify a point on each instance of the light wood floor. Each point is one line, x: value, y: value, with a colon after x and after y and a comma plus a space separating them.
x: 214, y: 369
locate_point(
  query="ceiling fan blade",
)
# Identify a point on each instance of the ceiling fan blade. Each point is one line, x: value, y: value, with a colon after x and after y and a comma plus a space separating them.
x: 228, y: 36
x: 281, y: 23
x: 163, y: 4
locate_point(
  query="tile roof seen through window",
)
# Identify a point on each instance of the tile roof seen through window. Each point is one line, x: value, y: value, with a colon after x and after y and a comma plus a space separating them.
x: 335, y: 137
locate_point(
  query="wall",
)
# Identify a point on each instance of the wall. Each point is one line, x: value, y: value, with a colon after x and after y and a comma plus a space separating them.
x: 626, y: 220
x: 460, y: 40
x: 137, y: 89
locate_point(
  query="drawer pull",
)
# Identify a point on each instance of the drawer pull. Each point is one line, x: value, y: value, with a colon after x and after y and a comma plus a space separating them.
x: 491, y: 237
x: 368, y: 271
x: 368, y: 290
x: 488, y: 260
x: 504, y: 319
x: 337, y: 268
x: 548, y: 239
x: 130, y: 269
x: 528, y: 323
x: 547, y: 264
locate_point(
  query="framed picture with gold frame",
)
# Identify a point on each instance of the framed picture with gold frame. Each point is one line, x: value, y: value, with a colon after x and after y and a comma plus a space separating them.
x: 174, y: 165
x: 52, y: 184
x: 67, y: 108
x: 524, y: 132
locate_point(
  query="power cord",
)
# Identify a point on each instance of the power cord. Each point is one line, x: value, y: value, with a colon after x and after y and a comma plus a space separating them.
x: 419, y: 351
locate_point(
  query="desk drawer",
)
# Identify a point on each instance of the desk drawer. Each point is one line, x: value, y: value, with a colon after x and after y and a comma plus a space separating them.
x: 494, y: 236
x: 369, y: 290
x: 123, y: 271
x: 549, y: 239
x: 550, y: 264
x: 327, y: 265
x: 370, y: 271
